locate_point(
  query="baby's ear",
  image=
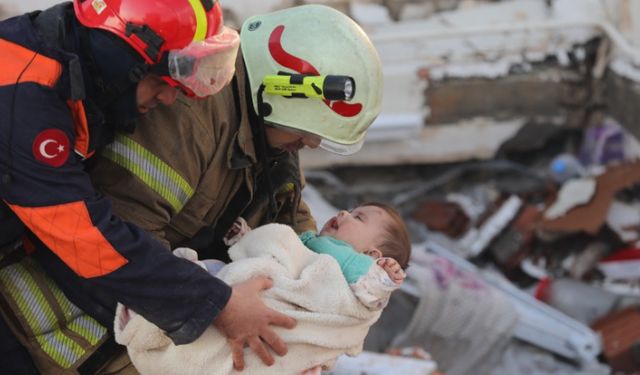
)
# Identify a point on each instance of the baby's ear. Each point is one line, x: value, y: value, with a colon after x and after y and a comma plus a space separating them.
x: 374, y: 253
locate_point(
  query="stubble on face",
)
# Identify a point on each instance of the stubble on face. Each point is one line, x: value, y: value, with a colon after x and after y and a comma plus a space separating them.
x: 153, y: 90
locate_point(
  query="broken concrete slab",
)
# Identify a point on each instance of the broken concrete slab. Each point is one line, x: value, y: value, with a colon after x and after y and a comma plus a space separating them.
x: 620, y: 333
x: 624, y: 219
x: 623, y: 264
x: 446, y: 217
x: 371, y: 363
x: 477, y: 239
x: 514, y: 243
x: 590, y: 217
x: 573, y: 193
x: 477, y: 138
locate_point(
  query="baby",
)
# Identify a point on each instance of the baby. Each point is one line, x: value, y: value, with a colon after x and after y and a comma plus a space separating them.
x: 334, y: 283
x: 370, y: 243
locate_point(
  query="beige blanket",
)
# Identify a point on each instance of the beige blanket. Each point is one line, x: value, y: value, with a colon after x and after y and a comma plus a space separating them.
x: 306, y: 286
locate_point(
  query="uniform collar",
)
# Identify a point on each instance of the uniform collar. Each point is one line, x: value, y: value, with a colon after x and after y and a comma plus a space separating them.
x: 243, y: 152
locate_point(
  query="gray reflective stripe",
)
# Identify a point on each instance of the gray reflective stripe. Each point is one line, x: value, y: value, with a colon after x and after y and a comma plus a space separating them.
x: 155, y: 173
x: 40, y: 316
x: 77, y: 320
x: 88, y: 328
x: 69, y: 309
x: 17, y: 284
x: 61, y: 348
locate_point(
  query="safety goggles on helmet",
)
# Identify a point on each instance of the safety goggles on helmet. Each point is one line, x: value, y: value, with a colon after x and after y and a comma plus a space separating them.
x: 205, y: 67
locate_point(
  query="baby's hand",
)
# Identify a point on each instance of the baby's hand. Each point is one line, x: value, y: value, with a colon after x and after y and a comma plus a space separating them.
x: 393, y: 269
x: 312, y: 371
x: 236, y: 232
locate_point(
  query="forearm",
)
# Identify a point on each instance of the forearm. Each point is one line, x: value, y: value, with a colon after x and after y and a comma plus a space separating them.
x: 176, y: 295
x: 120, y: 260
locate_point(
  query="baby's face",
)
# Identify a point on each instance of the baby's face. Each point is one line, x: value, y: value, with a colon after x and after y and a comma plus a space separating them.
x: 362, y: 228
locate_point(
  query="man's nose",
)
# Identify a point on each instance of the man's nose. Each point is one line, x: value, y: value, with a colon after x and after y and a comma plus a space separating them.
x: 167, y: 95
x: 311, y: 141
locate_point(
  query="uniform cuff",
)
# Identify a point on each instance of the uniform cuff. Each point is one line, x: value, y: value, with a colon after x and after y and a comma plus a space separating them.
x: 204, y: 316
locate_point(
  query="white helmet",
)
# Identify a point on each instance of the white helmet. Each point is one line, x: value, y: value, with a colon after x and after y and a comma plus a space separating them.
x: 316, y: 41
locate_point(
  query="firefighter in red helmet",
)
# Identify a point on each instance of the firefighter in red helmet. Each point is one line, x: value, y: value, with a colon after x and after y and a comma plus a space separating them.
x: 70, y: 77
x: 192, y: 50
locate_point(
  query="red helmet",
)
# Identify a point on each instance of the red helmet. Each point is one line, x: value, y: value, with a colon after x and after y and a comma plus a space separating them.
x: 152, y: 27
x: 155, y: 27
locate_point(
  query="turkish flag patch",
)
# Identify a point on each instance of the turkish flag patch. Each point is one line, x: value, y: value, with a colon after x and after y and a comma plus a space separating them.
x: 51, y: 147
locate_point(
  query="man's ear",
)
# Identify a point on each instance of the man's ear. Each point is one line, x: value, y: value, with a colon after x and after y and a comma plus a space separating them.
x: 374, y: 253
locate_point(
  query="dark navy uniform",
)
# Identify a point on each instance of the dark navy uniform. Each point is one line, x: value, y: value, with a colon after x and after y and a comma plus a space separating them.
x: 49, y: 125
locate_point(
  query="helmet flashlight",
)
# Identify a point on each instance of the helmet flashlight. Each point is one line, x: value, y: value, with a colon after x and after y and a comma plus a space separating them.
x: 329, y: 87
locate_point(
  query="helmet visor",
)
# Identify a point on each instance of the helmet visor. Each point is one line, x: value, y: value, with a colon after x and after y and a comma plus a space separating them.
x: 205, y: 67
x: 324, y: 143
x: 340, y: 148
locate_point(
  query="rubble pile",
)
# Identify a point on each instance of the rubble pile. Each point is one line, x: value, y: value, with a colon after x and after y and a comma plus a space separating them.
x: 553, y: 233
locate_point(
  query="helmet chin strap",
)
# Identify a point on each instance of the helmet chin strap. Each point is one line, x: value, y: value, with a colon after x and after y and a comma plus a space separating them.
x: 266, y: 165
x: 113, y: 85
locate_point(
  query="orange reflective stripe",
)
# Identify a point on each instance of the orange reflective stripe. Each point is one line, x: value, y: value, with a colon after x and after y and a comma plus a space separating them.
x: 15, y: 58
x: 68, y: 231
x: 81, y: 128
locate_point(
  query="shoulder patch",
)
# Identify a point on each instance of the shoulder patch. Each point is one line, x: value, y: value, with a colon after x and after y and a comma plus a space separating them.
x: 51, y: 147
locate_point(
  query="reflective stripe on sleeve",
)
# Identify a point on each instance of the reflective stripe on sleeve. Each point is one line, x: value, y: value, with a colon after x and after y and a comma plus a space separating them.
x: 26, y: 285
x: 155, y: 173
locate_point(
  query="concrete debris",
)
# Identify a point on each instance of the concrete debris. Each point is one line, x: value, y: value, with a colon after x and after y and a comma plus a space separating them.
x: 410, y: 351
x: 573, y: 193
x: 477, y: 240
x: 624, y: 219
x: 582, y: 206
x: 446, y: 217
x: 579, y: 300
x: 622, y: 265
x: 512, y: 246
x: 459, y: 319
x: 532, y: 137
x: 466, y: 319
x: 538, y: 324
x: 621, y: 339
x: 370, y: 363
x: 523, y: 358
x: 590, y: 217
x: 561, y: 210
x: 586, y: 260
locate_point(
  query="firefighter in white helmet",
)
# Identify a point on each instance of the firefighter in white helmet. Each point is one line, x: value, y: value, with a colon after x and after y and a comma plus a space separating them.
x: 305, y: 76
x: 315, y: 41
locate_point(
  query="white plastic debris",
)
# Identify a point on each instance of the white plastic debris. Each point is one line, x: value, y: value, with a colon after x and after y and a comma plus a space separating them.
x: 573, y: 193
x: 539, y: 324
x: 477, y: 239
x: 624, y: 219
x: 370, y: 363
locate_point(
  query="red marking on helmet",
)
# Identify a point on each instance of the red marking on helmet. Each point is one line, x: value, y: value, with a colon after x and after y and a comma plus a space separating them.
x: 301, y: 66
